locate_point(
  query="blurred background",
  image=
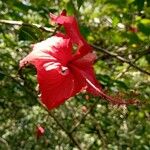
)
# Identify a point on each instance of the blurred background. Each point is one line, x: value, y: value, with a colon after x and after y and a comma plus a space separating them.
x: 120, y: 32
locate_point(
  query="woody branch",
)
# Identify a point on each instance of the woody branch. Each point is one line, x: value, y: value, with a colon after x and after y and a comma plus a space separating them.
x: 46, y: 29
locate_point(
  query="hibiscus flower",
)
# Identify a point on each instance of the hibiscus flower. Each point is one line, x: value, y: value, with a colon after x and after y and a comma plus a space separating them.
x: 62, y: 70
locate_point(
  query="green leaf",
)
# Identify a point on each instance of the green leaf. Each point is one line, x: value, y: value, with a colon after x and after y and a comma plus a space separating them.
x: 148, y: 3
x: 115, y: 21
x: 121, y: 84
x: 2, y: 75
x: 148, y: 58
x: 85, y: 31
x: 79, y: 3
x: 117, y: 3
x: 29, y: 33
x: 140, y: 4
x: 144, y: 26
x: 70, y: 8
x: 131, y: 37
x: 105, y: 80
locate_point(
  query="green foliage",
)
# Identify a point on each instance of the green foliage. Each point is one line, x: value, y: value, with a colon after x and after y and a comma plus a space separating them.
x: 105, y: 23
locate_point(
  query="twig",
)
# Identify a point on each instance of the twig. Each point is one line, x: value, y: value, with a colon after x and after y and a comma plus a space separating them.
x: 120, y: 58
x: 82, y: 119
x: 100, y: 133
x: 129, y: 66
x: 67, y: 133
x: 20, y: 23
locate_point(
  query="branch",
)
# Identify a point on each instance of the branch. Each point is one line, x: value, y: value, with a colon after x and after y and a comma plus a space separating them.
x: 129, y: 66
x: 15, y: 79
x: 5, y: 143
x: 121, y: 59
x: 67, y: 133
x: 20, y: 23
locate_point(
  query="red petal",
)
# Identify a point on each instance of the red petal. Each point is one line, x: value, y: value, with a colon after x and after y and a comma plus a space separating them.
x: 54, y: 49
x: 55, y: 88
x: 85, y: 67
x: 72, y: 30
x: 61, y: 48
x: 79, y: 81
x: 71, y: 27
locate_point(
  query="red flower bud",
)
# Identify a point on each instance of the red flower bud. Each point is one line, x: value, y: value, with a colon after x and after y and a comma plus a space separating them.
x: 39, y: 131
x: 133, y: 29
x: 84, y: 109
x: 87, y: 97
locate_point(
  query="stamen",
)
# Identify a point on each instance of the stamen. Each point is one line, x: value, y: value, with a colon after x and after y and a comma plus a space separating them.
x: 64, y: 70
x: 74, y: 49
